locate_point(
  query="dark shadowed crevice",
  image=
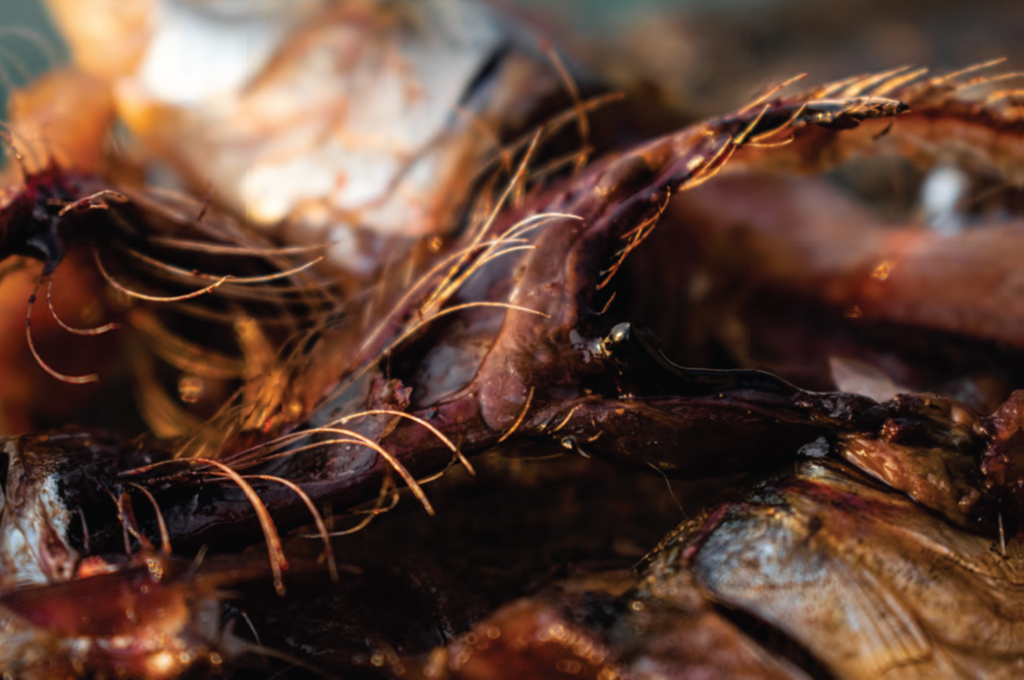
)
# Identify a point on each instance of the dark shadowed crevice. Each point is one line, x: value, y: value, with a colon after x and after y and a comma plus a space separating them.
x: 776, y: 641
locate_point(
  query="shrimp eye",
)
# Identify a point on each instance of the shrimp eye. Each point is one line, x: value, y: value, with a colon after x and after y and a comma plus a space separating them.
x: 620, y: 334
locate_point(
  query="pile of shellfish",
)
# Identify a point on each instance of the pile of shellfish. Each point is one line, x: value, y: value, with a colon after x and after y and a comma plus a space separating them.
x: 382, y: 339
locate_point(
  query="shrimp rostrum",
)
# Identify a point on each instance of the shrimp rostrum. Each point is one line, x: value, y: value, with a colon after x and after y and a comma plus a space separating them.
x: 529, y: 333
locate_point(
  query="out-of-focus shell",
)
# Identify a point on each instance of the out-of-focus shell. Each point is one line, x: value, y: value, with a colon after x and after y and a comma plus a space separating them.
x: 63, y: 117
x: 330, y: 116
x: 106, y: 37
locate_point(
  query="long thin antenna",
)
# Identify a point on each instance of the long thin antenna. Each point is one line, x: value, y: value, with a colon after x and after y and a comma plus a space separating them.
x: 70, y: 379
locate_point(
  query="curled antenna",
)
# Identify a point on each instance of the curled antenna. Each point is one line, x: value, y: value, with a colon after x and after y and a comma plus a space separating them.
x: 419, y: 421
x: 634, y: 238
x: 233, y: 646
x: 252, y: 460
x: 154, y: 298
x: 970, y: 69
x: 468, y: 305
x: 97, y: 330
x: 232, y: 250
x: 859, y: 86
x: 770, y: 92
x: 582, y: 121
x: 486, y: 226
x: 412, y: 290
x: 512, y: 235
x: 165, y: 537
x: 191, y: 274
x: 897, y: 82
x: 363, y: 440
x: 332, y: 566
x: 218, y: 281
x: 126, y: 515
x: 371, y: 514
x: 492, y: 137
x: 519, y: 420
x: 278, y: 563
x: 275, y: 549
x: 94, y: 201
x: 70, y: 379
x: 553, y: 125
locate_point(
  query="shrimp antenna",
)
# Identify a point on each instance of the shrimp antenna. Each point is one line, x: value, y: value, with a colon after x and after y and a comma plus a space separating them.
x: 234, y: 646
x: 941, y: 80
x: 97, y: 330
x: 332, y: 566
x: 154, y: 298
x: 165, y: 537
x: 492, y: 137
x: 71, y: 379
x: 371, y: 514
x: 241, y: 280
x: 126, y: 513
x: 770, y: 92
x: 410, y: 481
x: 582, y: 121
x: 419, y: 421
x: 240, y: 251
x: 218, y: 281
x: 278, y: 563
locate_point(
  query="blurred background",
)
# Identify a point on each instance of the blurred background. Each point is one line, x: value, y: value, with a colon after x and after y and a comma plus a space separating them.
x: 701, y: 56
x: 28, y: 42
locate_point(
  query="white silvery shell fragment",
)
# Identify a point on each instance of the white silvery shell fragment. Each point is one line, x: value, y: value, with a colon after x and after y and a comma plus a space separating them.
x: 201, y: 51
x: 372, y: 111
x: 941, y: 193
x: 819, y: 448
x: 34, y: 525
x: 859, y: 377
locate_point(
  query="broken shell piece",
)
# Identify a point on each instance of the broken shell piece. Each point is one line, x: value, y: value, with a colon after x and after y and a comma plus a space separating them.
x: 375, y: 115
